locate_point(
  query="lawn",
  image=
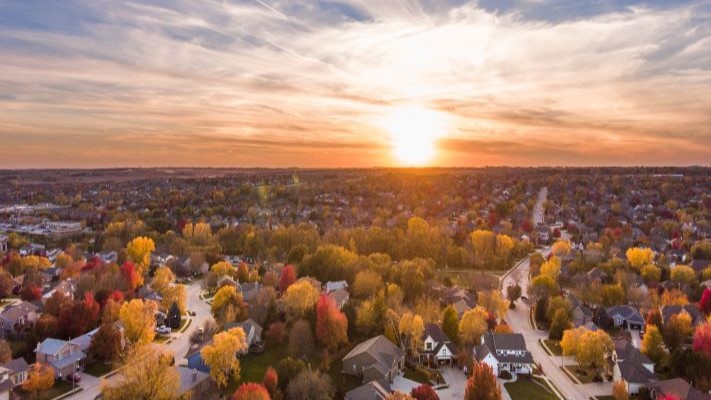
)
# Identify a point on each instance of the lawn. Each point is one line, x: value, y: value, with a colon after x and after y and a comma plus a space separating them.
x: 416, y: 376
x: 98, y: 369
x: 584, y: 375
x: 182, y: 324
x: 160, y: 339
x: 526, y: 389
x: 554, y: 346
x: 60, y: 388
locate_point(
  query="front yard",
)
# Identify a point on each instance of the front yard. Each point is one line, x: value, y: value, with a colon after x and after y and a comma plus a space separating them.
x: 554, y: 347
x: 584, y: 375
x: 527, y: 389
x: 98, y: 369
x: 60, y: 388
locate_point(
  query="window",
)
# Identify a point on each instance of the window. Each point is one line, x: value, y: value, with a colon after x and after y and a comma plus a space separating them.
x: 429, y: 345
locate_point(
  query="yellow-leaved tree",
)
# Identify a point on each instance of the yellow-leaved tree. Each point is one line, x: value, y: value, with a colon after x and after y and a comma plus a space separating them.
x: 228, y: 306
x: 221, y: 355
x: 148, y: 374
x: 162, y: 278
x: 472, y: 326
x: 300, y: 298
x: 222, y: 268
x: 139, y: 321
x: 139, y: 251
x: 39, y: 379
x: 561, y: 248
x: 412, y: 327
x: 495, y: 302
x: 639, y: 256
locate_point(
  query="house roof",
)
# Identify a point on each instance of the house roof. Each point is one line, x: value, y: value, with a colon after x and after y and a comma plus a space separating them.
x: 700, y: 265
x: 679, y: 387
x: 339, y: 296
x: 69, y: 360
x: 18, y: 311
x: 51, y: 346
x: 249, y: 326
x: 380, y: 349
x: 633, y: 371
x: 495, y: 342
x: 627, y: 312
x: 435, y: 332
x: 376, y: 390
x: 190, y: 378
x: 17, y: 365
x: 671, y: 310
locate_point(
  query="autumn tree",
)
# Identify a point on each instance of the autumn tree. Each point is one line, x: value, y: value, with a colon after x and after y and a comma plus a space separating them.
x: 484, y: 245
x: 542, y: 286
x: 331, y: 323
x: 412, y: 327
x: 162, y: 279
x: 5, y: 351
x: 472, y: 326
x: 513, y: 293
x: 590, y: 348
x: 106, y: 343
x: 367, y: 284
x: 551, y: 268
x: 677, y: 329
x: 494, y: 301
x: 702, y: 339
x: 151, y: 375
x: 424, y: 392
x: 131, y: 276
x: 559, y: 324
x: 139, y: 251
x: 450, y: 323
x: 561, y: 248
x: 310, y: 384
x: 619, y: 390
x: 287, y: 277
x: 652, y: 344
x: 139, y: 320
x: 705, y: 302
x: 301, y: 342
x: 639, y: 257
x: 39, y: 379
x: 482, y: 385
x: 222, y: 268
x: 271, y: 382
x: 228, y: 306
x: 300, y: 298
x: 221, y: 355
x: 251, y: 391
x: 683, y: 274
x: 81, y: 317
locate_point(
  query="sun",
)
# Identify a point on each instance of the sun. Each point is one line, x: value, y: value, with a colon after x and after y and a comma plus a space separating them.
x: 414, y: 132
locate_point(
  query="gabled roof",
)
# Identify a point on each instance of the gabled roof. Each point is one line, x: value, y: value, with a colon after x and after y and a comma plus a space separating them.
x: 51, y: 346
x: 18, y: 311
x: 435, y: 332
x: 376, y: 390
x: 17, y: 365
x: 679, y: 387
x: 381, y: 350
x: 671, y: 310
x: 190, y: 378
x: 627, y: 312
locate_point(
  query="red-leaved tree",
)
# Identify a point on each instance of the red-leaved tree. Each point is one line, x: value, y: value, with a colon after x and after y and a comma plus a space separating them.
x: 251, y: 391
x: 331, y: 323
x: 705, y: 303
x: 271, y: 381
x: 702, y: 339
x: 482, y: 385
x: 130, y: 276
x: 288, y: 276
x: 424, y: 392
x: 80, y: 317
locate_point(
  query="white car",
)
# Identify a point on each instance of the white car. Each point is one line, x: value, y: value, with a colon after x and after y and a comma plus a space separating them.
x: 163, y: 330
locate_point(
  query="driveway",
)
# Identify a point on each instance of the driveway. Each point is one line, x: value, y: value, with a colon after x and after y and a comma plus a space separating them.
x: 457, y: 382
x: 402, y: 384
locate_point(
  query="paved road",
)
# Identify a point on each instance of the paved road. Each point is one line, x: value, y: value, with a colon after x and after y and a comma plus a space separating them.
x: 179, y: 346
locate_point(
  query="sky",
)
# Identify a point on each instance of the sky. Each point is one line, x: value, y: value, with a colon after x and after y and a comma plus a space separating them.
x: 296, y: 83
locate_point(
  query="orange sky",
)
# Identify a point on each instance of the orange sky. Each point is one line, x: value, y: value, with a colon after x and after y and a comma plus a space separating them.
x: 280, y: 83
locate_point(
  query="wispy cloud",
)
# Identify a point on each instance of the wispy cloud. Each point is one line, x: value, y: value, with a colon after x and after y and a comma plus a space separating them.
x: 296, y: 82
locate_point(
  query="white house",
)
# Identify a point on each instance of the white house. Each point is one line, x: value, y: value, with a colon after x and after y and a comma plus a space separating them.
x: 436, y: 346
x: 505, y: 352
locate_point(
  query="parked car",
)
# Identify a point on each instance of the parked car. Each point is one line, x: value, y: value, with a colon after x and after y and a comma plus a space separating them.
x: 163, y: 330
x: 76, y: 378
x: 192, y: 313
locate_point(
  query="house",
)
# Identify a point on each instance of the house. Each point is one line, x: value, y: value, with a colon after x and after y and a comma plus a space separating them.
x: 196, y: 382
x: 6, y: 384
x: 146, y: 292
x: 582, y: 314
x: 676, y: 387
x: 631, y: 366
x: 376, y: 390
x: 697, y: 318
x: 700, y: 265
x: 18, y: 371
x: 436, y: 346
x: 250, y: 291
x: 195, y: 360
x: 332, y: 286
x: 462, y: 300
x: 227, y: 281
x: 626, y: 317
x: 597, y: 275
x: 375, y: 359
x: 18, y: 317
x: 63, y: 356
x: 252, y: 331
x: 65, y: 287
x: 340, y: 297
x: 505, y: 352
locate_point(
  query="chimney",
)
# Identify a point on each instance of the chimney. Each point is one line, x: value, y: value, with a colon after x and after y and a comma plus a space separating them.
x: 194, y: 375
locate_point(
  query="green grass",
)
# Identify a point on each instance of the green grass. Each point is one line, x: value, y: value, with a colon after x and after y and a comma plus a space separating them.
x: 255, y: 365
x: 554, y: 346
x: 60, y: 388
x: 416, y: 376
x: 98, y: 369
x: 525, y: 389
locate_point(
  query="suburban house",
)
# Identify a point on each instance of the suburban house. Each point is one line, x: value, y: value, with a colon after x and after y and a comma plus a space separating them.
x: 18, y: 370
x: 505, y: 352
x: 676, y: 387
x: 436, y: 346
x: 376, y: 390
x: 63, y: 356
x: 340, y: 297
x: 249, y: 290
x: 196, y: 382
x: 5, y: 384
x: 697, y: 318
x: 626, y: 317
x: 227, y: 281
x: 65, y: 287
x: 252, y: 332
x: 18, y: 317
x: 375, y: 359
x: 582, y: 314
x: 631, y: 366
x: 462, y: 300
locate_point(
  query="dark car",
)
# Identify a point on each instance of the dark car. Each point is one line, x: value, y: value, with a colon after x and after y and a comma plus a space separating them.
x: 76, y: 378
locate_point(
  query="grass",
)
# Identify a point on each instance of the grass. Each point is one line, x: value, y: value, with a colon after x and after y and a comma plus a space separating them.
x: 416, y: 376
x: 98, y: 369
x: 183, y: 321
x: 526, y: 389
x: 584, y: 375
x: 59, y: 388
x: 255, y: 365
x: 554, y: 346
x: 161, y: 339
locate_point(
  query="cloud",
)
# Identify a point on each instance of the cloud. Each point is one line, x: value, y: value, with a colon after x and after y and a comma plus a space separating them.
x: 296, y: 82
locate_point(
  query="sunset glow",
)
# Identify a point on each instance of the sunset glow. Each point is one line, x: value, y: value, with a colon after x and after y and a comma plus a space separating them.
x: 413, y: 134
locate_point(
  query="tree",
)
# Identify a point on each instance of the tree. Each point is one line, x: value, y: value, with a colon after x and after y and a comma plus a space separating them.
x: 412, y: 327
x: 222, y: 268
x: 39, y: 378
x: 271, y: 382
x: 619, y: 390
x: 300, y: 298
x: 139, y: 251
x: 683, y: 274
x: 251, y: 391
x: 542, y: 286
x: 6, y: 283
x: 652, y: 344
x: 221, y: 355
x: 130, y: 276
x: 289, y: 368
x: 639, y: 256
x: 677, y: 329
x: 513, y: 293
x: 494, y: 301
x: 151, y: 375
x: 559, y: 324
x: 571, y: 341
x: 482, y: 385
x: 654, y: 317
x: 551, y: 268
x: 175, y: 294
x: 450, y: 323
x: 369, y: 316
x: 503, y: 328
x: 558, y: 303
x: 612, y: 295
x: 651, y: 273
x: 228, y: 306
x: 424, y: 392
x: 472, y: 326
x: 310, y: 384
x: 561, y: 248
x: 590, y: 348
x: 287, y: 277
x: 162, y: 279
x: 106, y: 343
x: 301, y: 341
x: 705, y: 302
x: 331, y: 323
x: 398, y: 395
x: 483, y: 244
x: 367, y: 284
x: 5, y: 351
x: 277, y: 332
x: 702, y: 339
x: 81, y: 317
x: 173, y: 317
x: 139, y: 320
